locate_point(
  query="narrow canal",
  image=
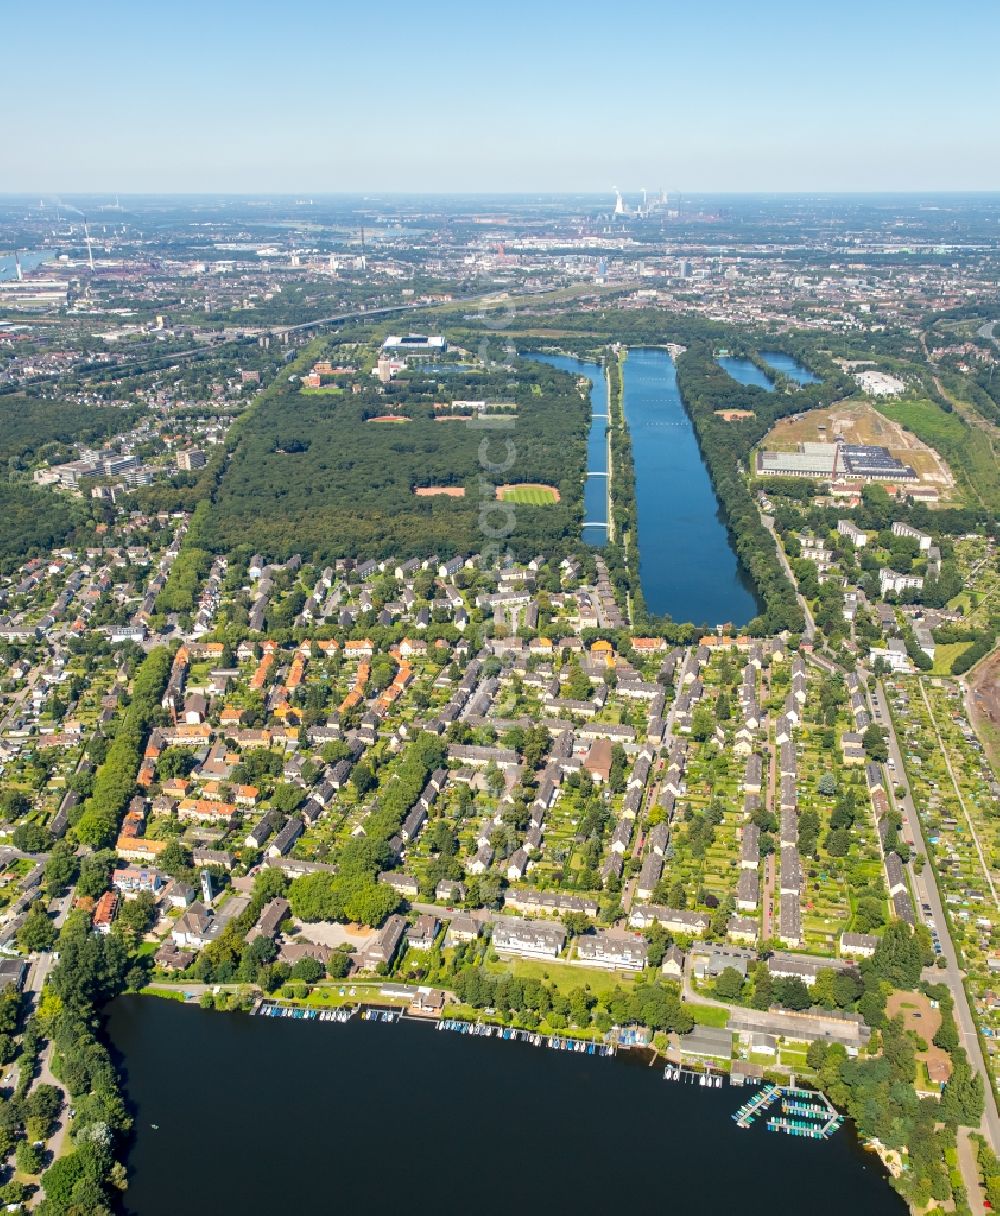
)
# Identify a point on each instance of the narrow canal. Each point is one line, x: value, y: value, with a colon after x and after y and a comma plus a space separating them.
x: 595, y: 490
x: 687, y: 566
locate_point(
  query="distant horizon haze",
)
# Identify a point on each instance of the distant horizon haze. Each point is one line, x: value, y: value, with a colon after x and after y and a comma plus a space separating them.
x: 312, y: 97
x: 64, y: 197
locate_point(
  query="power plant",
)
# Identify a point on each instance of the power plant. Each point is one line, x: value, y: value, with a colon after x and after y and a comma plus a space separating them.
x: 643, y: 209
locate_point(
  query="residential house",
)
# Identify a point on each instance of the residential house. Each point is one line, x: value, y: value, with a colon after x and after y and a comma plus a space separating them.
x: 423, y: 931
x: 612, y: 950
x: 528, y: 938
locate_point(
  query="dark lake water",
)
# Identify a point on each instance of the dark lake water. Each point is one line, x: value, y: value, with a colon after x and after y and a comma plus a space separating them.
x: 745, y: 371
x: 687, y: 566
x: 595, y: 490
x: 260, y: 1116
x: 788, y: 366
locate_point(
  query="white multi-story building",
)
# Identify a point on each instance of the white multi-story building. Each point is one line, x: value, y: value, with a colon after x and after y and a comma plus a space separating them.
x: 892, y: 580
x: 857, y: 536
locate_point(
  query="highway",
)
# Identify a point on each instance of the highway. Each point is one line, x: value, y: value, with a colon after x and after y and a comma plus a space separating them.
x: 279, y: 331
x: 207, y: 349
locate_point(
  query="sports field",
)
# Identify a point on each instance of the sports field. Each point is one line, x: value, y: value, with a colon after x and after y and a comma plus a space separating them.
x: 533, y: 495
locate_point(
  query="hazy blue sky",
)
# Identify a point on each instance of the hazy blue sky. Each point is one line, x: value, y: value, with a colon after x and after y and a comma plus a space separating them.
x: 313, y: 95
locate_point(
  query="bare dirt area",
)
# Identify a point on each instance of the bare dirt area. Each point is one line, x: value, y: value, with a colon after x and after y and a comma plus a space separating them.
x: 335, y: 935
x: 859, y: 422
x: 734, y: 415
x: 983, y: 703
x: 439, y: 491
x: 920, y: 1016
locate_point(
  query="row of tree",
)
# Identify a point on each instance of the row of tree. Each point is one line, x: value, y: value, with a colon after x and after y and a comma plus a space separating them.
x: 532, y: 1001
x: 100, y: 815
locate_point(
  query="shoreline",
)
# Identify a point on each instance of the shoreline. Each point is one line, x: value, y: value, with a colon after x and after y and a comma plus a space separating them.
x: 635, y: 1054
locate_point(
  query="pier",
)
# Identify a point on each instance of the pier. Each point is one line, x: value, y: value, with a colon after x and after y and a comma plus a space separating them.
x: 805, y: 1112
x: 675, y: 1072
x: 556, y: 1042
x: 805, y: 1128
x: 759, y: 1103
x: 380, y: 1013
x: 270, y: 1009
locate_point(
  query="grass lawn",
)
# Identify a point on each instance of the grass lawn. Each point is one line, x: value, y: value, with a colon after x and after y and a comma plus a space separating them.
x: 563, y: 976
x: 328, y: 996
x: 165, y: 994
x: 792, y: 1058
x: 966, y: 449
x: 708, y: 1015
x: 945, y: 655
x: 532, y: 496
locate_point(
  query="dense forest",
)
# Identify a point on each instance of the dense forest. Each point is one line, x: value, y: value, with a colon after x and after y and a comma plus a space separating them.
x: 32, y: 429
x: 317, y: 474
x: 33, y: 520
x: 726, y: 447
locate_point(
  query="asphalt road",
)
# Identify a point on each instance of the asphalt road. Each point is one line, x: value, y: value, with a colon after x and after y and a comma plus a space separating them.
x: 810, y: 630
x: 927, y: 891
x: 279, y: 331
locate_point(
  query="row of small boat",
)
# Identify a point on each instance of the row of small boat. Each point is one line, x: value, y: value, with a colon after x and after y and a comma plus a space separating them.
x: 556, y: 1042
x: 267, y: 1010
x: 673, y: 1072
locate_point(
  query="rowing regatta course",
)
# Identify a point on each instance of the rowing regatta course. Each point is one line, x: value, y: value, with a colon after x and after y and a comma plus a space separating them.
x: 265, y: 1114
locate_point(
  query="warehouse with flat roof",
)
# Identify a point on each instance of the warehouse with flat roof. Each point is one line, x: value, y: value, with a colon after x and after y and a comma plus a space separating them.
x: 855, y: 461
x: 811, y: 460
x: 871, y: 463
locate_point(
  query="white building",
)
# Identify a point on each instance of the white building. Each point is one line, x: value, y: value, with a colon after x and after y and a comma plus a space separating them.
x: 923, y: 540
x: 418, y: 346
x: 879, y: 384
x: 528, y: 938
x: 854, y: 534
x: 893, y: 654
x: 892, y: 580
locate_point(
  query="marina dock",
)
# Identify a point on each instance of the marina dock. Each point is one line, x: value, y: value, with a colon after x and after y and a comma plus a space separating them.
x: 379, y: 1013
x: 759, y: 1103
x: 676, y: 1072
x: 556, y: 1042
x: 805, y: 1112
